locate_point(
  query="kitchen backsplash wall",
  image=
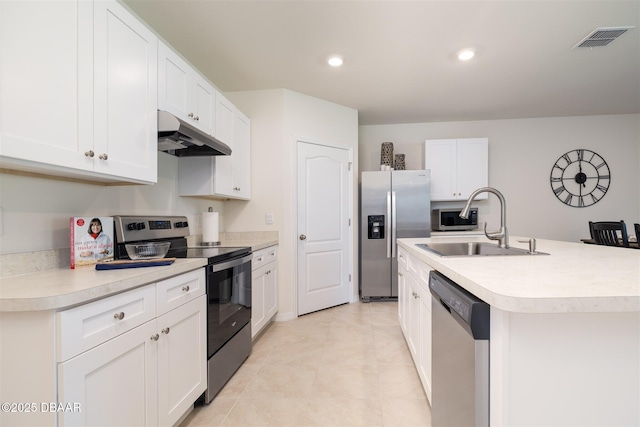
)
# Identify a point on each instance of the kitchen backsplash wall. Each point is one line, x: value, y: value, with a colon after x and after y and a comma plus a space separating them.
x: 36, y: 210
x: 521, y: 155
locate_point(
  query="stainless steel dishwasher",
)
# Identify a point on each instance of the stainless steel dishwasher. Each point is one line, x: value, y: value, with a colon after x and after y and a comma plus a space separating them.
x: 460, y: 356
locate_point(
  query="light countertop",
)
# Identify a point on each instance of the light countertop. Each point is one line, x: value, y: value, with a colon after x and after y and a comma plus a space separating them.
x: 575, y: 277
x: 56, y: 288
x: 59, y: 288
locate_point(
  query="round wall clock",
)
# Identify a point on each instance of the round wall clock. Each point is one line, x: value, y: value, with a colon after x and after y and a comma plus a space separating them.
x: 580, y: 178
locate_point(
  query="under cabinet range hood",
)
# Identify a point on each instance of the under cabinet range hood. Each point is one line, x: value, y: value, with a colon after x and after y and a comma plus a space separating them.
x: 177, y: 137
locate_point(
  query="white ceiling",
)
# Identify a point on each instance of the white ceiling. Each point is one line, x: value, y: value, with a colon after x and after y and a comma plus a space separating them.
x: 400, y: 63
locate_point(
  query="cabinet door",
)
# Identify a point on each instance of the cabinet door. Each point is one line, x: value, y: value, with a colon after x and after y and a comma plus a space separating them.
x: 223, y: 181
x: 173, y: 82
x: 440, y: 158
x: 115, y: 384
x: 472, y: 158
x: 414, y: 319
x: 402, y: 290
x: 402, y: 300
x: 204, y: 105
x: 271, y: 290
x: 258, y: 291
x: 423, y: 363
x: 241, y: 156
x: 125, y: 94
x: 42, y: 86
x: 182, y: 357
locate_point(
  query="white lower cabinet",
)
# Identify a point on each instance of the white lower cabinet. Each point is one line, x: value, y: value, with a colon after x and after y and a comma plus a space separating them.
x: 147, y: 376
x: 114, y: 383
x: 264, y: 288
x: 414, y: 314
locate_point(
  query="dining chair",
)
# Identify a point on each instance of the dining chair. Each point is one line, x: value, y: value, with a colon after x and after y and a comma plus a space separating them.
x: 606, y: 233
x: 637, y: 228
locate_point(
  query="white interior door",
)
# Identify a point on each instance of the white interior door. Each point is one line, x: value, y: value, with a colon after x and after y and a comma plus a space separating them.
x: 324, y: 230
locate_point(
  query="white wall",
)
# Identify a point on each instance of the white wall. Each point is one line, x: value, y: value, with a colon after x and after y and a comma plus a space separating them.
x: 36, y: 210
x: 278, y: 118
x: 521, y: 155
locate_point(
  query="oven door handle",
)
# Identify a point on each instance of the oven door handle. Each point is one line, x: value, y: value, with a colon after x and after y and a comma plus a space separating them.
x: 230, y: 264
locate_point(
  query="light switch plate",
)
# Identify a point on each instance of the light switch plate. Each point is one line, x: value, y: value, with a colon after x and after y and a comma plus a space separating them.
x: 268, y: 218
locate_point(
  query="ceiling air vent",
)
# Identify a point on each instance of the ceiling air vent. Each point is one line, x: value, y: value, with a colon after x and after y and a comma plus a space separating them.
x: 602, y: 36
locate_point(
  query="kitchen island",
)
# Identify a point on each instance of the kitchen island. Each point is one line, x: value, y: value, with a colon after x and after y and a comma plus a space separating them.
x: 565, y: 330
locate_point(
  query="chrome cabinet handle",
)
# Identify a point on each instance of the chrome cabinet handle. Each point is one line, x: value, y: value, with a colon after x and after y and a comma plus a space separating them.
x: 197, y: 118
x: 119, y: 316
x: 166, y: 330
x: 103, y: 156
x: 303, y: 237
x: 190, y: 114
x: 400, y: 274
x: 155, y: 337
x: 236, y: 188
x: 89, y: 153
x: 185, y: 288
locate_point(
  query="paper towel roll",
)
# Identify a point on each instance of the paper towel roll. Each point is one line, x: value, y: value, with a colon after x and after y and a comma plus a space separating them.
x: 210, y: 227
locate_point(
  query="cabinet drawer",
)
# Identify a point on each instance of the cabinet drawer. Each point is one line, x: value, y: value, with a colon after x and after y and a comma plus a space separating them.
x: 264, y: 256
x: 88, y: 325
x: 179, y: 290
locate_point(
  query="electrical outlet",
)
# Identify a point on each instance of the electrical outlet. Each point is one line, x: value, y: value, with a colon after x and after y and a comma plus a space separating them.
x: 268, y: 218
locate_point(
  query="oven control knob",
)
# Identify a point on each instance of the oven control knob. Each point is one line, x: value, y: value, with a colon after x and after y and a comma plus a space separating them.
x: 131, y: 226
x: 181, y: 224
x: 140, y: 226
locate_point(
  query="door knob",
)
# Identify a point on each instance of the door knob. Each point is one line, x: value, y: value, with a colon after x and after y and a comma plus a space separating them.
x: 303, y: 237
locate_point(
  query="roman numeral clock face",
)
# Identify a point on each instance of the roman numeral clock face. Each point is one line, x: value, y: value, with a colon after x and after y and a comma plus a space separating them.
x: 580, y: 178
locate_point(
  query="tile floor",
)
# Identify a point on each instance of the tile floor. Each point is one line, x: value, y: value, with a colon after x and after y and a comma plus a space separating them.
x: 345, y: 366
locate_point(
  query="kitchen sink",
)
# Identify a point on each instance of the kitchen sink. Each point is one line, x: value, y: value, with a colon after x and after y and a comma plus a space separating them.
x: 472, y: 249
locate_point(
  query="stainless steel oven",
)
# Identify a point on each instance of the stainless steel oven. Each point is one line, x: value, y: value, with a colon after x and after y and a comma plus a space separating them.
x: 228, y: 282
x: 229, y: 320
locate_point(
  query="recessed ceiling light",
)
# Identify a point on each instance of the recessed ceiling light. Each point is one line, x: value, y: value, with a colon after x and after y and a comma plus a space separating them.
x: 466, y: 54
x: 335, y: 61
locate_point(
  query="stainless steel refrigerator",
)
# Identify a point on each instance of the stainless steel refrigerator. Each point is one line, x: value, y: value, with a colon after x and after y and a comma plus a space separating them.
x: 393, y: 204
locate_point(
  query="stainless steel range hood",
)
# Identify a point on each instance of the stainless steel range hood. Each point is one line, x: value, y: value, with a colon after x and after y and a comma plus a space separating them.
x: 177, y: 137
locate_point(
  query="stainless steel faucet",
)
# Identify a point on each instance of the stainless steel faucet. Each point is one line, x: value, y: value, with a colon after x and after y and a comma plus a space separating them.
x: 502, y: 235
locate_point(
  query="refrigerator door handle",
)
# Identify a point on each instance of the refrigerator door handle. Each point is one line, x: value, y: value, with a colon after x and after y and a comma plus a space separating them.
x: 386, y: 225
x: 393, y: 224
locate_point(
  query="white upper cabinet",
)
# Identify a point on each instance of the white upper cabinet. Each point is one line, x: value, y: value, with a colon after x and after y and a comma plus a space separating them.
x: 227, y: 177
x: 458, y: 167
x: 183, y: 92
x: 125, y: 94
x: 78, y: 91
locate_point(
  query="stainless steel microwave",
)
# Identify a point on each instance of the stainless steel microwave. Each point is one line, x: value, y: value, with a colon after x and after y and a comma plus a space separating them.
x: 449, y: 220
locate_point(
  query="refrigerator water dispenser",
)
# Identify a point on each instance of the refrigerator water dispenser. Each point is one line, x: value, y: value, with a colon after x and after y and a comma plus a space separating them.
x: 376, y: 226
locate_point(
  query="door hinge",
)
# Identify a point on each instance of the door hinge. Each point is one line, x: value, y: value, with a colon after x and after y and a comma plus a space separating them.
x: 350, y: 163
x: 349, y: 277
x: 349, y: 222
